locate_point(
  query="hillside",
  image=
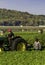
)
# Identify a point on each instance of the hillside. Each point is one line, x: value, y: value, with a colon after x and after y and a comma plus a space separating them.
x: 16, y: 18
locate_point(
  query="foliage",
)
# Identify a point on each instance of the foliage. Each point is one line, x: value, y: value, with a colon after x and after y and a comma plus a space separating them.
x: 17, y: 18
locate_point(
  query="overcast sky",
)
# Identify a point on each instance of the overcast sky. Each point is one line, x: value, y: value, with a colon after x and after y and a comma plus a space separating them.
x: 31, y: 6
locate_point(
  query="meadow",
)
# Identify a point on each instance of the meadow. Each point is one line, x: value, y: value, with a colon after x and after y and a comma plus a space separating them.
x: 22, y: 58
x: 31, y: 57
x: 30, y: 36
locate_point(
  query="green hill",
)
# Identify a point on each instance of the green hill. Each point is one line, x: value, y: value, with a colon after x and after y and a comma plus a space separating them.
x: 13, y: 17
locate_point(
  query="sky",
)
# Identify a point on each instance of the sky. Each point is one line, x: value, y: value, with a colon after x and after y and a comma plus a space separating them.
x: 32, y: 6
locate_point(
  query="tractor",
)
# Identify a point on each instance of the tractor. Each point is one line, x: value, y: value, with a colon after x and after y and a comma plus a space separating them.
x: 16, y: 43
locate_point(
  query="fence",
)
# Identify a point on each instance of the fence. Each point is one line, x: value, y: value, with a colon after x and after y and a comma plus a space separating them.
x: 22, y: 28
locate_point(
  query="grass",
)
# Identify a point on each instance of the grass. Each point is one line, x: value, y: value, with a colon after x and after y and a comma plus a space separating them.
x: 30, y: 36
x: 22, y: 58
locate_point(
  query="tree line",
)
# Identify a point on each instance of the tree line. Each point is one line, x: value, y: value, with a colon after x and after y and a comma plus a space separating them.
x: 17, y: 18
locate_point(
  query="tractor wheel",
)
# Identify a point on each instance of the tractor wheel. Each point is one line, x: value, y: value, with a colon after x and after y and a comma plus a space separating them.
x: 19, y: 44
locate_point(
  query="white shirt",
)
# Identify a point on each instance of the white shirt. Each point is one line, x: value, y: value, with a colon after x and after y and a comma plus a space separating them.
x: 37, y: 45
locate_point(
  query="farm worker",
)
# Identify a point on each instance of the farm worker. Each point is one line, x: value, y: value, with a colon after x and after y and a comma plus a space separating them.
x: 10, y: 36
x: 10, y: 33
x: 37, y: 45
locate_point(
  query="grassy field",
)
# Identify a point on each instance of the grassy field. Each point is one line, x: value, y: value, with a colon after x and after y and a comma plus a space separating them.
x: 30, y: 36
x: 27, y: 57
x: 22, y: 58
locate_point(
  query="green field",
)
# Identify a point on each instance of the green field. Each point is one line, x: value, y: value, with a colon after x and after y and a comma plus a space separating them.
x: 30, y: 36
x: 32, y: 57
x: 22, y: 58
